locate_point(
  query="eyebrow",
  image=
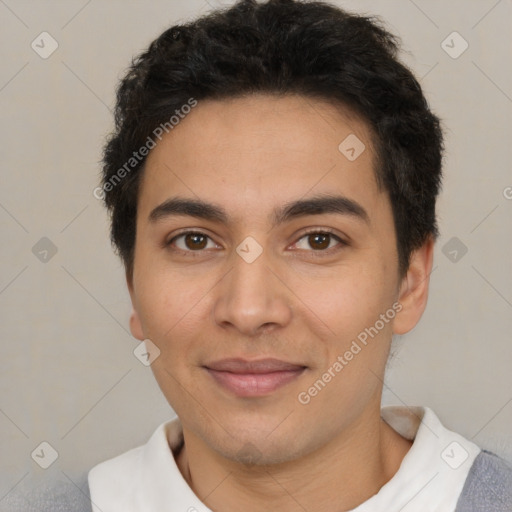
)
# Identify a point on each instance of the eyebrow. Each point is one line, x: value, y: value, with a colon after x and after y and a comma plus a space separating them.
x: 317, y: 205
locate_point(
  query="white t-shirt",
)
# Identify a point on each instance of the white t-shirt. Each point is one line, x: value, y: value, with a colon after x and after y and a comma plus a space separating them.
x: 430, y: 478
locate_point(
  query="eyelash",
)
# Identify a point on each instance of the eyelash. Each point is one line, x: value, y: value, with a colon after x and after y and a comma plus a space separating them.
x: 317, y: 253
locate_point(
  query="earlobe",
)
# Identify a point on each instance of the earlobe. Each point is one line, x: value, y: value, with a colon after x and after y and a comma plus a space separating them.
x: 135, y: 323
x: 413, y: 292
x: 136, y: 326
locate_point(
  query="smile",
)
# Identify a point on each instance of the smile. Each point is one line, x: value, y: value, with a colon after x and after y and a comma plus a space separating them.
x: 253, y: 378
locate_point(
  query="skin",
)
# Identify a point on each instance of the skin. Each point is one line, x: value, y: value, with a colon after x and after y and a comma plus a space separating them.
x: 297, y: 302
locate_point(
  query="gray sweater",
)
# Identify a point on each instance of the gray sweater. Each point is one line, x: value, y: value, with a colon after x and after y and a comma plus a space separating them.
x: 488, y: 488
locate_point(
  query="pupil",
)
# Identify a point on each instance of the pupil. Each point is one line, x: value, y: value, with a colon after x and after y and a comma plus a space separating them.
x: 195, y: 238
x: 317, y: 238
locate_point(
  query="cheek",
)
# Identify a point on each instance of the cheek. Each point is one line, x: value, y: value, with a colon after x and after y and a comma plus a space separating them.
x: 172, y: 310
x: 346, y: 302
x: 168, y: 300
x: 175, y: 309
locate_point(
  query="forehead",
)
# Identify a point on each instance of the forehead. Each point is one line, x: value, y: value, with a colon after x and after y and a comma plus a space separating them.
x: 252, y: 152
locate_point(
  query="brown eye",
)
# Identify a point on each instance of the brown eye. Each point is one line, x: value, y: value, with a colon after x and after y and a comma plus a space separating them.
x: 320, y: 241
x: 195, y: 241
x: 190, y: 241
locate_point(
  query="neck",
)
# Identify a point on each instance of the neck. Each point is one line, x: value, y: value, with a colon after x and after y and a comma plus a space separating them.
x: 340, y: 475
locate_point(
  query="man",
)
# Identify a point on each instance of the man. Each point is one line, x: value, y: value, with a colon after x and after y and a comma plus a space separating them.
x: 272, y: 182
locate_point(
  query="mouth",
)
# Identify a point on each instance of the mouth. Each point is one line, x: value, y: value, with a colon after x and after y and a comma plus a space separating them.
x: 253, y: 378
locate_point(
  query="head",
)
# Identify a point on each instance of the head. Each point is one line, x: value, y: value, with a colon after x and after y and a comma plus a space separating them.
x: 290, y: 132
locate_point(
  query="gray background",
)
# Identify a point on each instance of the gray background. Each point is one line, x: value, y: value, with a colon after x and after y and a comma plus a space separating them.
x: 68, y: 375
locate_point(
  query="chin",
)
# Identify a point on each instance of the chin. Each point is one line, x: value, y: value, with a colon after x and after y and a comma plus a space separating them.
x: 255, y: 447
x: 251, y: 455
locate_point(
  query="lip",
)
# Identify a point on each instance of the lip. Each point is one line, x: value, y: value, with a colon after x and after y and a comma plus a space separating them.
x: 253, y: 378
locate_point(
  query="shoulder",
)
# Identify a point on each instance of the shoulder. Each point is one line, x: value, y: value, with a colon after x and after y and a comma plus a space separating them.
x: 121, y: 482
x: 123, y: 470
x: 115, y: 478
x: 488, y: 486
x: 143, y: 478
x: 63, y: 495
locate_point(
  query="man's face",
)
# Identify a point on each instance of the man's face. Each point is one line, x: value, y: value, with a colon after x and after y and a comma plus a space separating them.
x: 203, y: 299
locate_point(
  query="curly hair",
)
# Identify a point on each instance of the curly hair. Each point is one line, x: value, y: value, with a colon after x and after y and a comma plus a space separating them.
x: 280, y: 47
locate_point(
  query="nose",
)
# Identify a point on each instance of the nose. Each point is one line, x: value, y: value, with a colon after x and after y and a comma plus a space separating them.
x: 252, y: 297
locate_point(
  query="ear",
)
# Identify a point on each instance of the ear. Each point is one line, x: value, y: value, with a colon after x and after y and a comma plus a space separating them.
x: 413, y: 292
x: 135, y: 323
